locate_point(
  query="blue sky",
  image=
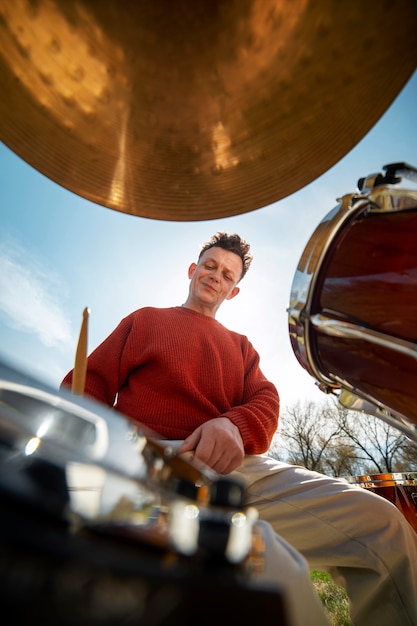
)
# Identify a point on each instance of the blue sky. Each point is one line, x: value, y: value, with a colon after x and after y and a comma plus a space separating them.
x: 60, y: 253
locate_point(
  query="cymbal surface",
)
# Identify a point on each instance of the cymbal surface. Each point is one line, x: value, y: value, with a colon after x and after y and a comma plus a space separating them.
x: 189, y: 110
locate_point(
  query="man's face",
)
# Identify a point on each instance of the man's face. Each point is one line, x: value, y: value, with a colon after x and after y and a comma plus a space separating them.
x: 215, y: 277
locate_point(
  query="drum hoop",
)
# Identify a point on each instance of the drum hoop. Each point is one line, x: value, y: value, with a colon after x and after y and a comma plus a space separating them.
x: 391, y: 200
x: 58, y: 402
x: 305, y: 281
x: 401, y: 479
x: 299, y: 312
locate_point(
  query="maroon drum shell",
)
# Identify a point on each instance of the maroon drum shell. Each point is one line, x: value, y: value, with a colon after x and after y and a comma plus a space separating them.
x: 400, y: 489
x: 369, y: 279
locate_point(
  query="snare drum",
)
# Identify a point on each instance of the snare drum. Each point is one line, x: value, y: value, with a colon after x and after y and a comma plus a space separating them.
x: 89, y: 465
x: 398, y: 488
x: 102, y: 524
x: 353, y: 305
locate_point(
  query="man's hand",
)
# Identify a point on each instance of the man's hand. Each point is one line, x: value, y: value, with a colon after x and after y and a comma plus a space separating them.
x: 218, y: 444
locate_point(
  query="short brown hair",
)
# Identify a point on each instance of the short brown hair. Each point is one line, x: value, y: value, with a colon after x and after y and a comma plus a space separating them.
x: 233, y: 243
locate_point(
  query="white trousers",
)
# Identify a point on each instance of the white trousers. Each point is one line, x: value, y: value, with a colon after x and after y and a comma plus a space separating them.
x: 361, y: 539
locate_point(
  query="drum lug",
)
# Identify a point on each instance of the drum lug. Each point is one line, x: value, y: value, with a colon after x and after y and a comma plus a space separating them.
x: 394, y: 173
x: 367, y: 184
x: 327, y: 389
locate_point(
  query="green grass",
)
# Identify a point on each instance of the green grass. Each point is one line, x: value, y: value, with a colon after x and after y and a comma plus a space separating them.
x: 333, y: 598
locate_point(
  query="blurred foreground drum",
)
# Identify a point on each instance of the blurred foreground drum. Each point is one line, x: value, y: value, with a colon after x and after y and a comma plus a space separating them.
x: 398, y: 488
x: 353, y: 304
x: 101, y: 524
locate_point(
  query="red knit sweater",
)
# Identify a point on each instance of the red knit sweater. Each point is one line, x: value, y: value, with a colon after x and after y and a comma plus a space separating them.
x: 173, y: 369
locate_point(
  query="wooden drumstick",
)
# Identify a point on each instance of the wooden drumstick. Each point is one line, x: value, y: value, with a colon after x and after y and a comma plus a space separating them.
x: 80, y: 365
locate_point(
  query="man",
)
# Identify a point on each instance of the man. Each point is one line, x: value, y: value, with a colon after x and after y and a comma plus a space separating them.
x: 188, y: 378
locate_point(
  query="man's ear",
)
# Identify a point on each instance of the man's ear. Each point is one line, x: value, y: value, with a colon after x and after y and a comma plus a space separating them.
x: 233, y: 293
x: 191, y: 270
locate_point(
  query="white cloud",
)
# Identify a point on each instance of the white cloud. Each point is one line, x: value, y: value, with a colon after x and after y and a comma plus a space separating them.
x: 29, y: 296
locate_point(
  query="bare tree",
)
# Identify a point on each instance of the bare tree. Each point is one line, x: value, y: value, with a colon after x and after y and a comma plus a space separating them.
x: 305, y: 435
x: 330, y: 439
x: 341, y: 459
x: 408, y: 461
x: 379, y: 446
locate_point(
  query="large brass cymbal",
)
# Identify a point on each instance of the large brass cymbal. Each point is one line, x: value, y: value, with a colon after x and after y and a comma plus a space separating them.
x: 196, y: 109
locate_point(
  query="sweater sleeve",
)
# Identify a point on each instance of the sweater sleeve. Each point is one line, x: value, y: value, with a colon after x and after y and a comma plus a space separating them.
x: 103, y: 378
x: 257, y: 416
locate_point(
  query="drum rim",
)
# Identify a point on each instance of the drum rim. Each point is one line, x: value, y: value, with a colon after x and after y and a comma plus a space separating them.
x: 304, y: 281
x: 379, y: 479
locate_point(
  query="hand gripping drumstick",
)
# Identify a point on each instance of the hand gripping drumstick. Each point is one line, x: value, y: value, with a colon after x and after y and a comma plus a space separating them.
x: 80, y: 365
